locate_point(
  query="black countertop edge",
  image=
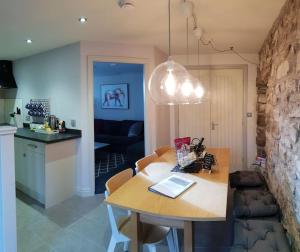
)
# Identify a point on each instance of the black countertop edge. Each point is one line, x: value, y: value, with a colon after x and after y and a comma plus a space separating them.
x: 26, y: 133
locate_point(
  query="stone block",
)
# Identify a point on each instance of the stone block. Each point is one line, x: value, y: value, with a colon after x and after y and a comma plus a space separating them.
x: 262, y: 98
x: 261, y: 141
x: 294, y: 133
x: 298, y: 62
x: 283, y: 69
x: 260, y: 108
x: 261, y: 120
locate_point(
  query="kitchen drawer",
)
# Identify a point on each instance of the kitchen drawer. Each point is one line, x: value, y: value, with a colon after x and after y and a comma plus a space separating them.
x: 31, y: 146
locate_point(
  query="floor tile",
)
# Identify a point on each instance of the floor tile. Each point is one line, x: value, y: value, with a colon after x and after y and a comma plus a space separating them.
x: 96, y: 232
x: 44, y: 248
x: 27, y: 240
x: 45, y: 229
x: 68, y: 241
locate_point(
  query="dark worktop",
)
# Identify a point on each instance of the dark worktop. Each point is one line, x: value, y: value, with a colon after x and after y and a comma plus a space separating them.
x: 26, y: 133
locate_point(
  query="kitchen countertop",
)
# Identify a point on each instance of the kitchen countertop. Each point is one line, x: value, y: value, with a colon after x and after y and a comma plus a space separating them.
x: 26, y: 133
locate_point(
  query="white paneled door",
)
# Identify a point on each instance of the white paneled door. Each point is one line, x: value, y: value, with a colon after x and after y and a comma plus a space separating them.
x: 219, y: 118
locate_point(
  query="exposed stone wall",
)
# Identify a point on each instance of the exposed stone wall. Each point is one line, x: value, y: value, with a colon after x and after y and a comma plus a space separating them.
x: 278, y: 108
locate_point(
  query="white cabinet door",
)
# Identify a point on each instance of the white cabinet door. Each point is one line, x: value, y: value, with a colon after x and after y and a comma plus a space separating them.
x: 20, y: 164
x: 30, y: 168
x: 35, y: 174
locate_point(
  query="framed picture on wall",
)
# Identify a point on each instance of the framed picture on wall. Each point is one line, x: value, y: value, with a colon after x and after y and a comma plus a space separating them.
x: 114, y: 96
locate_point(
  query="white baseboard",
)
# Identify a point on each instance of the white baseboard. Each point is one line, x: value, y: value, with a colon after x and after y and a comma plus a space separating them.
x: 85, y: 192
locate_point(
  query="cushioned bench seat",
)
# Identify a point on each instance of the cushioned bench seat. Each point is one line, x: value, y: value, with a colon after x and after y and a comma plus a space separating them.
x: 254, y: 203
x: 259, y: 236
x: 247, y: 180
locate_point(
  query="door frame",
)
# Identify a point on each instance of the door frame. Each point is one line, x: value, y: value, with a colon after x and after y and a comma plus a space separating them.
x: 243, y: 67
x: 90, y: 97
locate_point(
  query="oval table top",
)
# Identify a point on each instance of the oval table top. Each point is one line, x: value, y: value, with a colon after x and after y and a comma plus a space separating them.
x: 206, y: 200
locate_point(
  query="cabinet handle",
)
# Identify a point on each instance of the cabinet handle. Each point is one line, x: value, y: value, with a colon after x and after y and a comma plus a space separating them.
x: 32, y: 145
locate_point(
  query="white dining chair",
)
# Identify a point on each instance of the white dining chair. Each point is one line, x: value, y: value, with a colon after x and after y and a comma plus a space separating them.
x: 122, y: 228
x: 163, y: 149
x: 145, y: 161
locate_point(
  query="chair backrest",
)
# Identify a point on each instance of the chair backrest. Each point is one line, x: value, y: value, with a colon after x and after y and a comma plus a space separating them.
x: 143, y: 162
x: 111, y: 185
x: 163, y: 149
x: 117, y: 180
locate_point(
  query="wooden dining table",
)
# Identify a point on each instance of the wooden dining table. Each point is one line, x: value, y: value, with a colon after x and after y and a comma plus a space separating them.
x: 206, y: 200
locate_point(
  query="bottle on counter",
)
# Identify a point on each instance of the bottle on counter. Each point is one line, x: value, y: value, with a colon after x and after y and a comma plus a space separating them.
x: 62, y: 126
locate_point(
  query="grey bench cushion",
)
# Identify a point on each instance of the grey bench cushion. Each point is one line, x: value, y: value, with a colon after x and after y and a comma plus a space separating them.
x: 241, y: 179
x: 259, y: 236
x: 254, y: 203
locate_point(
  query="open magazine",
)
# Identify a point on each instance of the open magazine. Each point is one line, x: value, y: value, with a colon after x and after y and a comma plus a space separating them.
x: 172, y: 186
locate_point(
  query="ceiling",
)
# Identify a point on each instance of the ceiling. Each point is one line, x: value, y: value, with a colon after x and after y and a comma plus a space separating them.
x: 50, y: 24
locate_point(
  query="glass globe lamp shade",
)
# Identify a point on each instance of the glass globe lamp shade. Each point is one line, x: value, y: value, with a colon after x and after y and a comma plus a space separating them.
x: 200, y: 93
x: 186, y: 94
x: 165, y: 82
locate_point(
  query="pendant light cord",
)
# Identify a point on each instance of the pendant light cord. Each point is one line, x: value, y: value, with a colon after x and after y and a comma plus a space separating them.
x: 198, y: 51
x: 169, y: 8
x: 187, y: 40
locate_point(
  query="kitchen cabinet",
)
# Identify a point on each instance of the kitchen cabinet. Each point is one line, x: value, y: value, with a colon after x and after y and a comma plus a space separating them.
x: 46, y: 172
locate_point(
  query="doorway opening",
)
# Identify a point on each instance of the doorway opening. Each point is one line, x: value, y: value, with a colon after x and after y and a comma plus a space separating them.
x: 118, y: 118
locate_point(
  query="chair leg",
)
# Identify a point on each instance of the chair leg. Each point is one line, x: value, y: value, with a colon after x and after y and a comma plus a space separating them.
x: 126, y: 246
x: 170, y: 240
x: 151, y: 247
x: 175, y: 239
x: 112, y: 245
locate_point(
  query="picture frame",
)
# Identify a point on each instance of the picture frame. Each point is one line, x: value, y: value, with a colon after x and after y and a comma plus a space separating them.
x: 114, y: 96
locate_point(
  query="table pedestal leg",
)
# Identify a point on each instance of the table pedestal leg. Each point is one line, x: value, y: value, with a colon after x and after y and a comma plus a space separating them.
x: 188, y: 236
x: 136, y: 245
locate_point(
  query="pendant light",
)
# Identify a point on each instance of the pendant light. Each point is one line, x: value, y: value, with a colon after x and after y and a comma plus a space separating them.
x: 201, y: 94
x: 166, y: 79
x: 187, y: 90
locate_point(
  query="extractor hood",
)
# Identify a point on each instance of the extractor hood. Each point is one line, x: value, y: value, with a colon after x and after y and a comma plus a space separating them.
x: 7, y: 79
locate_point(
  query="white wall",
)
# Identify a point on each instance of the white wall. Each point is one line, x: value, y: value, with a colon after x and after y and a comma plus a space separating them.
x: 163, y: 111
x: 135, y: 96
x: 231, y: 59
x: 2, y: 118
x: 8, y: 232
x: 53, y: 75
x: 107, y: 52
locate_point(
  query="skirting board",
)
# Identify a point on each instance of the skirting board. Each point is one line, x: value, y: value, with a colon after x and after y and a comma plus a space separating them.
x: 85, y: 192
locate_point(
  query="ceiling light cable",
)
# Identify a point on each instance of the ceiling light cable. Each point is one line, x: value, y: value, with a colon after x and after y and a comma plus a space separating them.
x: 169, y: 9
x: 231, y: 49
x: 187, y: 40
x: 211, y: 43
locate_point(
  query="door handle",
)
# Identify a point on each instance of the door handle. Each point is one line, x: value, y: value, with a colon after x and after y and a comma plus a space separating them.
x: 32, y: 146
x: 213, y: 125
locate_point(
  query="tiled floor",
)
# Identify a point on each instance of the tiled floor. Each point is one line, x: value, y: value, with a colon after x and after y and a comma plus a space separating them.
x: 78, y: 224
x: 81, y: 225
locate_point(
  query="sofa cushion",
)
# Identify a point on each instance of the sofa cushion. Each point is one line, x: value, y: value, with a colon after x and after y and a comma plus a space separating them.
x: 259, y: 236
x: 108, y: 127
x: 252, y: 204
x: 136, y: 129
x: 116, y: 140
x: 246, y: 179
x: 125, y: 126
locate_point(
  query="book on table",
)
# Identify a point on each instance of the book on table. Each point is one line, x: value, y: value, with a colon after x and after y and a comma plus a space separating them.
x: 172, y: 186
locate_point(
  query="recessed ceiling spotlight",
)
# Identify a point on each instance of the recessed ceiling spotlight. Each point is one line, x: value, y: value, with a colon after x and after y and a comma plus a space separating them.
x: 126, y: 4
x: 82, y: 20
x: 29, y: 41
